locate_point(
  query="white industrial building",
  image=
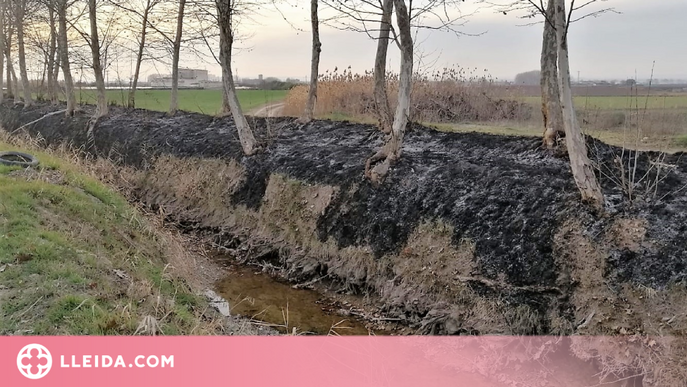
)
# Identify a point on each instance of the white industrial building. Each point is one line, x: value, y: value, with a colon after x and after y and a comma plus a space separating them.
x: 187, y: 78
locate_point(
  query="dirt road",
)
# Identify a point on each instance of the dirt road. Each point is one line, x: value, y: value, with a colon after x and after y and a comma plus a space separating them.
x: 271, y: 110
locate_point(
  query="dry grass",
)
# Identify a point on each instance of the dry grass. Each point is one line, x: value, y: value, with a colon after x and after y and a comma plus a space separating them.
x: 450, y: 95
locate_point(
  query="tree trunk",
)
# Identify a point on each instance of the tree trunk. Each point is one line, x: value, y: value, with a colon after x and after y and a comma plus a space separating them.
x: 2, y: 49
x: 174, y: 96
x: 380, y: 96
x: 226, y: 38
x: 139, y: 56
x: 377, y: 166
x: 10, y: 92
x: 550, y: 96
x: 56, y: 67
x: 63, y: 49
x: 226, y: 108
x: 101, y: 108
x: 25, y: 83
x: 15, y: 82
x: 314, y: 63
x: 52, y: 50
x: 582, y: 169
x: 11, y: 83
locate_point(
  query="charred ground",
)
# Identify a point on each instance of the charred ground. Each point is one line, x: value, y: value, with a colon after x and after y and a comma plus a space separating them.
x: 504, y: 195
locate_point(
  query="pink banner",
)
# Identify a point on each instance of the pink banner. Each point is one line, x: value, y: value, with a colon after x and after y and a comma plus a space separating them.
x: 321, y: 361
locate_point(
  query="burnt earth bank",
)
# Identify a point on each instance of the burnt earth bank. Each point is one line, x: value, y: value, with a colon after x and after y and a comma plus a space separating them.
x: 520, y: 251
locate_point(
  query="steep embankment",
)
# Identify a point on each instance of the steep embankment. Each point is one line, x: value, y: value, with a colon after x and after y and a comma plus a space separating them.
x: 471, y: 233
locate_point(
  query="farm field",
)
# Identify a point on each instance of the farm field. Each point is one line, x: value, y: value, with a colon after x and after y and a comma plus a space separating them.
x: 200, y: 101
x: 625, y: 102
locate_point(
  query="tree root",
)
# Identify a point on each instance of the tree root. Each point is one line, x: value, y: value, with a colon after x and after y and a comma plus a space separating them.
x: 377, y: 166
x: 304, y: 120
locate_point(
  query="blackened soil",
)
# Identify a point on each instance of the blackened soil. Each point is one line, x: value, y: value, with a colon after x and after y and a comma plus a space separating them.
x: 504, y: 194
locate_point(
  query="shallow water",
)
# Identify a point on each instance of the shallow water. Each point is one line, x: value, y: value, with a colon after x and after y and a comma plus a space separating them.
x: 256, y: 295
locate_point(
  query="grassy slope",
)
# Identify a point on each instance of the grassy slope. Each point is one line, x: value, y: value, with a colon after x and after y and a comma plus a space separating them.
x: 202, y: 101
x: 75, y: 258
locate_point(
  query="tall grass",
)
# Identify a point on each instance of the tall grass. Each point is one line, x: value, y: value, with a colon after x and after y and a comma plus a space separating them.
x: 448, y: 95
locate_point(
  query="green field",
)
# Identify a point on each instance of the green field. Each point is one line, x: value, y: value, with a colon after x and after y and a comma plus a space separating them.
x: 201, y: 101
x: 624, y: 102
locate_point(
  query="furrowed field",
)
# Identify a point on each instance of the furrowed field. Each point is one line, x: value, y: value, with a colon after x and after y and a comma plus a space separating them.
x: 193, y: 100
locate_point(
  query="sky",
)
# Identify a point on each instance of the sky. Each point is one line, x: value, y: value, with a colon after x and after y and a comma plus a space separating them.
x: 612, y: 46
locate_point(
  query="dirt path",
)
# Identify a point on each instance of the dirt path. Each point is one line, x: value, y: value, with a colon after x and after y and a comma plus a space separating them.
x: 270, y: 110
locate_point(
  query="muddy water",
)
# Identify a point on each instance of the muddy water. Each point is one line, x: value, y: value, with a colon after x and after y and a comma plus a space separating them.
x: 258, y: 296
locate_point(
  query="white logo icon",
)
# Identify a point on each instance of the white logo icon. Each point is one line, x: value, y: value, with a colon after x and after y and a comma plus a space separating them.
x: 34, y: 361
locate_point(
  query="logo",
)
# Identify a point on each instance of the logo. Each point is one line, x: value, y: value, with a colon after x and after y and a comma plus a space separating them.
x: 34, y: 361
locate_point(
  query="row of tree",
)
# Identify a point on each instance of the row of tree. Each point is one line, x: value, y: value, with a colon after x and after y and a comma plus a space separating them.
x: 61, y: 29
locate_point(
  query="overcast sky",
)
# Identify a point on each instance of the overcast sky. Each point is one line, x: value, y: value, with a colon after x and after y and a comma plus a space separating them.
x: 612, y: 46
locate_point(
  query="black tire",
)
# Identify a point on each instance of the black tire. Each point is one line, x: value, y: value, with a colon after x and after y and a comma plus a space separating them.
x: 18, y: 159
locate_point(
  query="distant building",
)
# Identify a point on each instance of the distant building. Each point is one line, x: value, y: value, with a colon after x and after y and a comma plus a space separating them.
x: 187, y: 78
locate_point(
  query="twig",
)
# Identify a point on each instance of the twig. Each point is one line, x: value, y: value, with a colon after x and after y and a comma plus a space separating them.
x: 39, y: 119
x: 29, y: 308
x: 309, y: 283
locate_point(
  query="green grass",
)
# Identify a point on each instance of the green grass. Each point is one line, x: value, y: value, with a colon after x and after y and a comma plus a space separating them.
x: 682, y: 141
x: 201, y: 101
x: 64, y: 237
x: 624, y: 102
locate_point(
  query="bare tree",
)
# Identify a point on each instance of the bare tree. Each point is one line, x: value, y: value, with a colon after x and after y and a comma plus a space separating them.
x: 12, y: 83
x: 556, y: 26
x: 582, y: 168
x: 226, y: 10
x: 52, y: 60
x: 363, y: 15
x: 56, y: 56
x: 314, y: 62
x: 63, y: 50
x: 550, y: 96
x: 19, y: 15
x: 429, y: 14
x: 2, y: 47
x: 94, y: 43
x: 41, y: 37
x: 143, y: 15
x: 377, y: 166
x: 550, y: 93
x: 141, y: 47
x: 358, y: 16
x: 176, y: 49
x: 380, y: 95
